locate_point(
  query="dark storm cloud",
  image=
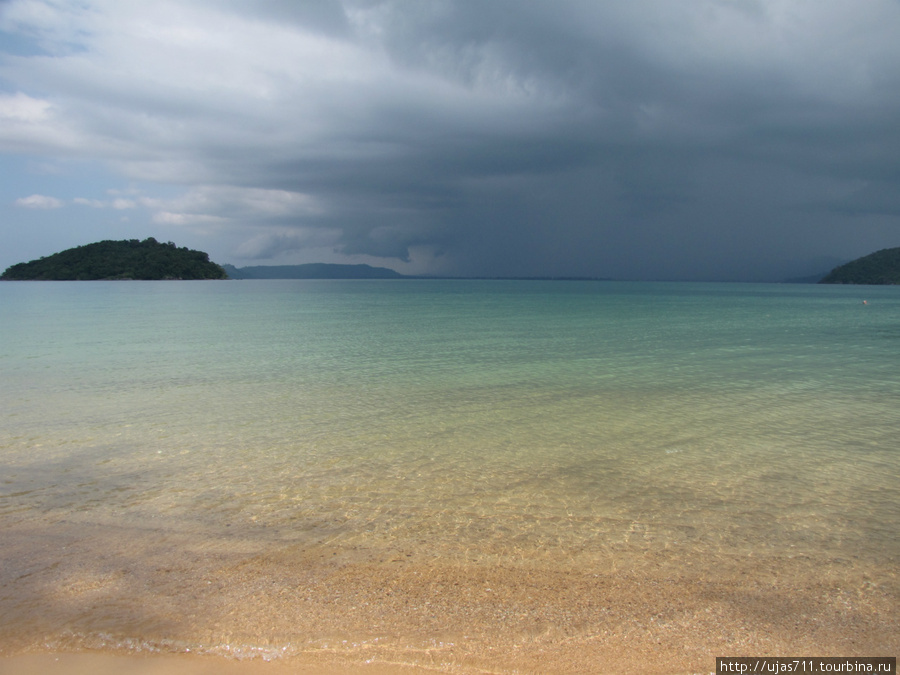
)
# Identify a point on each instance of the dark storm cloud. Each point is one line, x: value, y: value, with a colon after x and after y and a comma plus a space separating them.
x: 718, y: 139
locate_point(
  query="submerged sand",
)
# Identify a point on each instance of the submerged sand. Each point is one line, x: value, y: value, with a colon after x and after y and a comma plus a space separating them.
x: 91, y: 596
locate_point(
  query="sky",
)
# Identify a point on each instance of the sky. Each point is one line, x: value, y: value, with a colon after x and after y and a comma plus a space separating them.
x: 725, y: 140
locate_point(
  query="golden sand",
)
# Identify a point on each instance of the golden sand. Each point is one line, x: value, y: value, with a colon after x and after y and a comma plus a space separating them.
x: 92, y: 596
x: 62, y: 663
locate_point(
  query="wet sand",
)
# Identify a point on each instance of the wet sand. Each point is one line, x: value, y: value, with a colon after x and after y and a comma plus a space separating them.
x: 61, y: 663
x: 91, y: 596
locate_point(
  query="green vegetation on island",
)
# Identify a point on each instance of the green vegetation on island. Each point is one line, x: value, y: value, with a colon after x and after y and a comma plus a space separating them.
x: 130, y: 259
x: 876, y: 269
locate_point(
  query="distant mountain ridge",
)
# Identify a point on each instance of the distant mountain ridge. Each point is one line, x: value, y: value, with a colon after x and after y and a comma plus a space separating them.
x: 876, y: 269
x: 312, y: 271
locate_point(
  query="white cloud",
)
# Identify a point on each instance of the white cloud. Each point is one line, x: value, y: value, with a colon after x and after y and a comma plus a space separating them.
x: 233, y: 202
x: 20, y: 107
x: 170, y: 218
x: 39, y: 202
x: 210, y: 204
x: 93, y: 203
x: 29, y: 124
x: 216, y: 204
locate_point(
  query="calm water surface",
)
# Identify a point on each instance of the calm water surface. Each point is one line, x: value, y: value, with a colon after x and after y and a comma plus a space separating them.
x: 594, y: 425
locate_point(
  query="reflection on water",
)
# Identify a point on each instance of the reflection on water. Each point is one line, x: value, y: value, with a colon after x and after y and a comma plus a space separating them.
x: 704, y: 432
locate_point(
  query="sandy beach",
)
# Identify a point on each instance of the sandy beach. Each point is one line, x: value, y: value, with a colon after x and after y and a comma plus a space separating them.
x: 328, y: 610
x: 61, y: 663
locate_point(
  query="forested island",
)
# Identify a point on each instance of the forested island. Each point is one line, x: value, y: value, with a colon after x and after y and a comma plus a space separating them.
x: 131, y: 259
x: 876, y: 269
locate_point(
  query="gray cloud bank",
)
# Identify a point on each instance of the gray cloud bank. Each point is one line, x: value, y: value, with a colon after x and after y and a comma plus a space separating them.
x: 716, y: 139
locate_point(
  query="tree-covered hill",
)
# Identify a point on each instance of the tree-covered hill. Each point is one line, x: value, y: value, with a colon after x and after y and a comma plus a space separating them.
x: 877, y: 269
x: 130, y: 259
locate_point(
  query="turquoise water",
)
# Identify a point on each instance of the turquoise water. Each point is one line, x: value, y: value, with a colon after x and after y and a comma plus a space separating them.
x: 585, y: 424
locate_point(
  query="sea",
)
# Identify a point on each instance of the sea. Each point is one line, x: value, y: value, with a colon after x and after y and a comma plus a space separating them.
x: 451, y: 473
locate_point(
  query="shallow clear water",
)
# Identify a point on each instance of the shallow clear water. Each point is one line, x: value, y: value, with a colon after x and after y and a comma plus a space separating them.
x: 593, y: 425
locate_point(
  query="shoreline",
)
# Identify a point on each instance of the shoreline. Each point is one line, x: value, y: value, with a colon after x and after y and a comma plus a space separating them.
x: 111, y: 663
x: 84, y: 594
x: 65, y: 663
